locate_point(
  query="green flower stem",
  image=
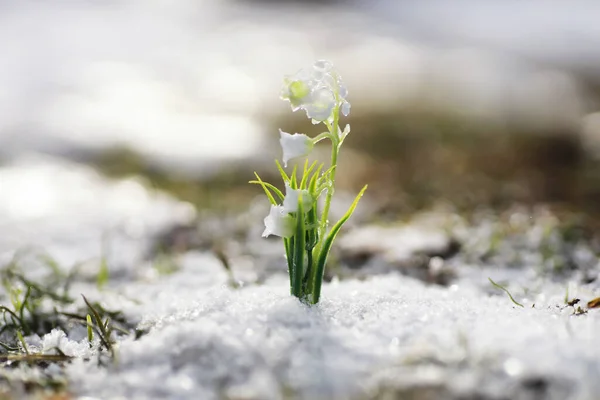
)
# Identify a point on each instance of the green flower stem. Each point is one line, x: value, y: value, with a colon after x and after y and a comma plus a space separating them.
x: 315, y: 280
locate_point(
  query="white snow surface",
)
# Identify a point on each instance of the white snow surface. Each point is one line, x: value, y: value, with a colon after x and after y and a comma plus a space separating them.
x: 210, y: 341
x: 207, y: 340
x: 71, y: 212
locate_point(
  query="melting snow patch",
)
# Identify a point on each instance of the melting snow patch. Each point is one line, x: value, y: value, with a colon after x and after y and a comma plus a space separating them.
x: 259, y: 343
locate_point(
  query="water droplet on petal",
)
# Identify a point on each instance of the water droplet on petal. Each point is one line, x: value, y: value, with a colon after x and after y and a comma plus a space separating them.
x: 345, y: 108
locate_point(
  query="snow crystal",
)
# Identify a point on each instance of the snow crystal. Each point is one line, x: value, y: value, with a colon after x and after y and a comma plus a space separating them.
x: 258, y: 342
x: 57, y: 342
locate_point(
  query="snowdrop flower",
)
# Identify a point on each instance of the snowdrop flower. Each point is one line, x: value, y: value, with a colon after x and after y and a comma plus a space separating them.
x: 294, y: 146
x: 279, y: 223
x: 297, y: 89
x: 308, y: 235
x: 290, y: 202
x: 317, y: 91
x: 322, y: 102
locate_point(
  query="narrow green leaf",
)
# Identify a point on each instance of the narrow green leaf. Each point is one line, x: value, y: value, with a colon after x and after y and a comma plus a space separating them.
x: 278, y: 192
x: 325, y: 175
x: 291, y: 260
x: 22, y: 340
x: 289, y: 257
x: 326, y: 246
x: 284, y: 176
x: 102, y: 334
x: 312, y: 238
x: 90, y: 328
x: 304, y: 168
x: 306, y: 174
x: 313, y: 181
x: 299, y: 249
x: 294, y: 180
x: 506, y: 291
x: 264, y: 186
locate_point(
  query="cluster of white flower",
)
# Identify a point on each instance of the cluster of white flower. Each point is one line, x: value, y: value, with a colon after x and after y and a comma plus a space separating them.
x: 318, y: 91
x: 321, y: 93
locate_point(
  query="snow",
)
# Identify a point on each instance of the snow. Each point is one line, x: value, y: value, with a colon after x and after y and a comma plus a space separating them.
x: 371, y: 336
x: 258, y: 342
x: 376, y: 333
x: 72, y: 213
x: 57, y: 342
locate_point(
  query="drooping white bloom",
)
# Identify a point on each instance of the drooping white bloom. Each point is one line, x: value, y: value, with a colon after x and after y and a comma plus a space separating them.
x: 317, y: 91
x: 292, y: 196
x: 279, y: 223
x: 294, y: 146
x: 297, y: 89
x: 321, y: 104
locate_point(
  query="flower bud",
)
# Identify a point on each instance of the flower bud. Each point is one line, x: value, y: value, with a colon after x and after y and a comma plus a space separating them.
x: 279, y: 223
x: 294, y: 146
x: 290, y: 202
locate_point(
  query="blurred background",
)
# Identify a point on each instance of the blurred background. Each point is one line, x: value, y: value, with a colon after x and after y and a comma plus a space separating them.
x: 467, y: 104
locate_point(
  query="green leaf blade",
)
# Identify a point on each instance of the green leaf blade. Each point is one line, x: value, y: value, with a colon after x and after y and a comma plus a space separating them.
x: 299, y: 249
x: 326, y: 247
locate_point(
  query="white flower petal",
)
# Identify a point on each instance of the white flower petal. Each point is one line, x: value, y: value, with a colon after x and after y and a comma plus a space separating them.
x: 290, y: 202
x: 316, y: 90
x: 278, y: 223
x: 294, y: 146
x: 321, y: 104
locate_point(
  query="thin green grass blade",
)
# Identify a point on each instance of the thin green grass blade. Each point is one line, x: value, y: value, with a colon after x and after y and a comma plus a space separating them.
x: 304, y: 168
x: 313, y: 181
x: 289, y: 257
x: 265, y: 188
x: 291, y: 261
x: 299, y: 249
x: 325, y: 175
x: 306, y: 174
x: 294, y: 180
x: 90, y: 329
x: 278, y: 192
x: 312, y: 238
x: 22, y: 340
x: 102, y: 334
x: 506, y: 291
x: 285, y: 176
x: 317, y: 278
